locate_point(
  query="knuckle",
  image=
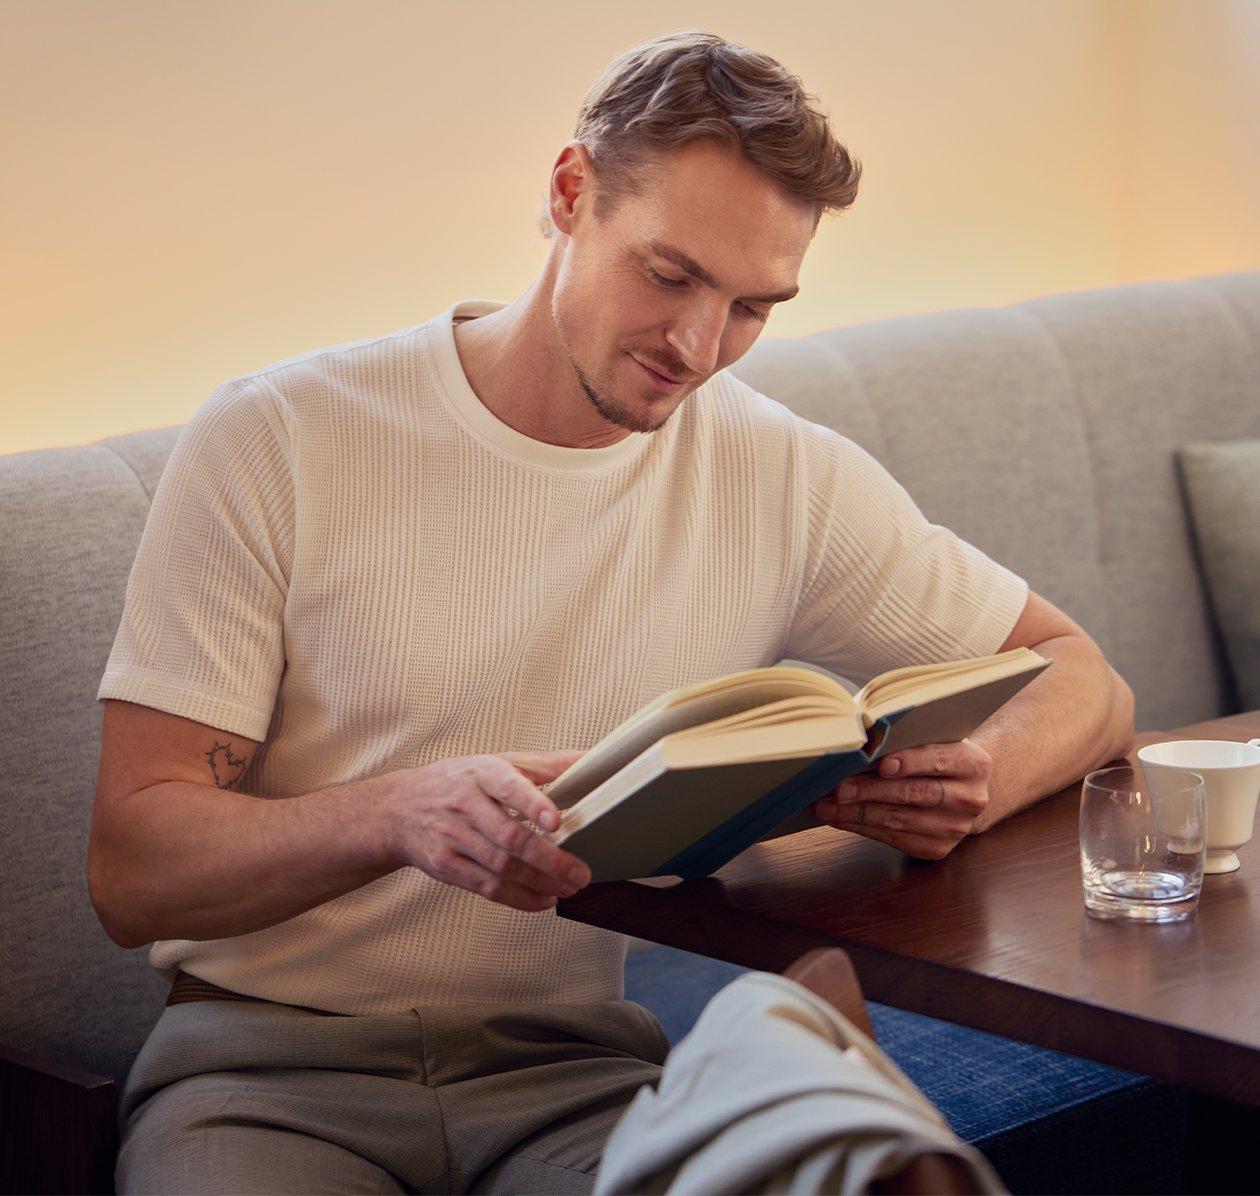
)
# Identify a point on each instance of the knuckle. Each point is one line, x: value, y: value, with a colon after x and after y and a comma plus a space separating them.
x: 547, y: 861
x: 455, y: 798
x: 940, y: 760
x: 530, y: 852
x: 518, y: 834
x: 442, y: 857
x: 498, y: 859
x: 921, y: 791
x: 487, y: 765
x: 491, y: 889
x: 976, y: 800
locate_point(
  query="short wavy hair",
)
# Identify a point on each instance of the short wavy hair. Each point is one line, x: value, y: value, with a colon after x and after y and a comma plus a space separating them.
x: 691, y: 85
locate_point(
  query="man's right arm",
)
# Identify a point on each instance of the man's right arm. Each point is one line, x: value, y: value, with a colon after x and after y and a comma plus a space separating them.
x: 176, y: 852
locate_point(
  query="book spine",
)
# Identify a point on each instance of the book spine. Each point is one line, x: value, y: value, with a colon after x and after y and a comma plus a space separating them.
x: 722, y: 844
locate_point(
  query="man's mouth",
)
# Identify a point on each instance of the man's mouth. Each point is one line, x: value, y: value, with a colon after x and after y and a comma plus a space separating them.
x: 661, y: 381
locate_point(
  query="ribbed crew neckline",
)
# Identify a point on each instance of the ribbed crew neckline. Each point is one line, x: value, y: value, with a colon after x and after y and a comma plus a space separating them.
x: 484, y: 423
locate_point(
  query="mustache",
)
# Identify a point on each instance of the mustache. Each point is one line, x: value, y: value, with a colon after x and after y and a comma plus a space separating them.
x: 668, y: 369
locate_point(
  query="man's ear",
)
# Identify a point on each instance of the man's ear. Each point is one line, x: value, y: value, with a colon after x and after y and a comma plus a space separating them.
x: 571, y: 182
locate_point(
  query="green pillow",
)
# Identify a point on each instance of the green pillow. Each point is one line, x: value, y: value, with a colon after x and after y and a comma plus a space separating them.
x: 1222, y: 482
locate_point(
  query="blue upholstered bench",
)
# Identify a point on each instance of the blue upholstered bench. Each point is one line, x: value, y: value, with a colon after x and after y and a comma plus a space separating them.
x: 1048, y: 1122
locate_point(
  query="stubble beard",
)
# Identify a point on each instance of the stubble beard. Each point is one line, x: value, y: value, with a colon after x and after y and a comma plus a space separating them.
x: 610, y: 407
x: 613, y: 410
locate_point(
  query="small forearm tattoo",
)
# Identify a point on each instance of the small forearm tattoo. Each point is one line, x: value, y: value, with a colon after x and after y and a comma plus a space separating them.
x: 226, y: 768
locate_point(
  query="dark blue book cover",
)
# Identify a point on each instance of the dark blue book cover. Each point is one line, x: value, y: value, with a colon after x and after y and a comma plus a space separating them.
x: 819, y: 777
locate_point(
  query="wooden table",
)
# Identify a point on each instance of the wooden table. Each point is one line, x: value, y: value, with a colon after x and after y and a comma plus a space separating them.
x: 994, y: 937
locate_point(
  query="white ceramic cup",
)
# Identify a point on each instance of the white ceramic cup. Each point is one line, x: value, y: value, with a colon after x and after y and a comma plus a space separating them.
x: 1231, y: 777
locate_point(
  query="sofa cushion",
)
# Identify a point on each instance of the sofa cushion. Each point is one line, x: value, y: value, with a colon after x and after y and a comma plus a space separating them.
x: 1223, y: 495
x: 1044, y: 432
x: 1036, y: 1114
x: 73, y: 517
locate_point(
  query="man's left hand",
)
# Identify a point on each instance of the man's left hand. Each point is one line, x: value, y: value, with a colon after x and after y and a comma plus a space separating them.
x: 923, y: 801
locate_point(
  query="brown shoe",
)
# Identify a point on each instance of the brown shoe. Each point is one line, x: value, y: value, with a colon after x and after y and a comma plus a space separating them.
x: 828, y: 972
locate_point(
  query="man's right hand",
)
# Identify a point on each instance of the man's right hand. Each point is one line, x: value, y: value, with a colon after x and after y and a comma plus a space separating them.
x: 451, y: 820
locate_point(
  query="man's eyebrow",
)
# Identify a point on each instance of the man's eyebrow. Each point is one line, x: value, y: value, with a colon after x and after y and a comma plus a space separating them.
x: 683, y: 262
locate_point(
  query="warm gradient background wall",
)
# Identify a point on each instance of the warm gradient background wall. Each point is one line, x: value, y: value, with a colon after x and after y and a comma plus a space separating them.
x: 194, y: 190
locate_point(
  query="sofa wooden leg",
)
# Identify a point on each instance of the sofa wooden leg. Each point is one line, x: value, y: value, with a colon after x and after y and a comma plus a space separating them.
x: 58, y: 1127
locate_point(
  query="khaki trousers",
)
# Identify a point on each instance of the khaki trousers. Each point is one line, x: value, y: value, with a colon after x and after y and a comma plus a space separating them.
x: 252, y: 1096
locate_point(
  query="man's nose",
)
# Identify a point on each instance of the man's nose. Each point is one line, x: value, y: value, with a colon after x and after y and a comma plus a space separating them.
x: 697, y: 338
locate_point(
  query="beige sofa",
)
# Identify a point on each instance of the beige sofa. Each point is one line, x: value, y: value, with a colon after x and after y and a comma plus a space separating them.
x: 1044, y: 432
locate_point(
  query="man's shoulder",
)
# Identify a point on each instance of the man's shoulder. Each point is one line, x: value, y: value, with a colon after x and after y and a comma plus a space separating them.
x: 740, y: 408
x: 737, y: 395
x: 369, y: 366
x: 297, y: 392
x: 734, y: 409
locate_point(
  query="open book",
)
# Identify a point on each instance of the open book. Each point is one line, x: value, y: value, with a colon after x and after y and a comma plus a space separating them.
x: 703, y: 772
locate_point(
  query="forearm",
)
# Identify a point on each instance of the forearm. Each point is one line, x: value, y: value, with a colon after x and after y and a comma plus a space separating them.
x: 198, y: 862
x: 1076, y: 716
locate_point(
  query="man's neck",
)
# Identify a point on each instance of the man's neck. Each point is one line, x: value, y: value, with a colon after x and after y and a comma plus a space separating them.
x: 517, y: 367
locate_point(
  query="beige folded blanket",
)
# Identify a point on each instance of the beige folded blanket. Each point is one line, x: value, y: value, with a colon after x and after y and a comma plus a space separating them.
x: 774, y: 1091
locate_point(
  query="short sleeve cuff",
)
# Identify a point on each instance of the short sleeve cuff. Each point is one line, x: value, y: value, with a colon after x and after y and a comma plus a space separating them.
x: 1000, y: 614
x: 162, y: 693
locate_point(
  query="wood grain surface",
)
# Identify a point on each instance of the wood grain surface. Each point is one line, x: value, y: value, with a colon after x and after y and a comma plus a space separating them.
x: 995, y: 937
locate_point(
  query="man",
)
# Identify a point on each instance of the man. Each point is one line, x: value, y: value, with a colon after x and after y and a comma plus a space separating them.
x: 382, y: 583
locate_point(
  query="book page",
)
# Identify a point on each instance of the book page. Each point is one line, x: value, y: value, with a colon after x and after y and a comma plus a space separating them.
x: 952, y: 717
x: 679, y: 709
x: 787, y: 728
x: 795, y: 729
x: 918, y: 684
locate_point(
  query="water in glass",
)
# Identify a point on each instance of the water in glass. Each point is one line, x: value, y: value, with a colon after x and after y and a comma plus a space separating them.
x: 1142, y: 843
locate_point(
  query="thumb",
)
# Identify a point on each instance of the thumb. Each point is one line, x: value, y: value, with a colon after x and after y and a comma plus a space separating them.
x: 543, y: 765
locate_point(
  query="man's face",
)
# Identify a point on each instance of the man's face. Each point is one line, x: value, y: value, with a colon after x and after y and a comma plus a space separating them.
x: 625, y: 298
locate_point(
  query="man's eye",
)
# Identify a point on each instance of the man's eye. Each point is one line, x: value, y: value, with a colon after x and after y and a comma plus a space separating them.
x: 750, y: 313
x: 665, y: 282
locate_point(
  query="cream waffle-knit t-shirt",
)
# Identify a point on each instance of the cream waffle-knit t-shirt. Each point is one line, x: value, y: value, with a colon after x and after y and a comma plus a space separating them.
x: 350, y: 558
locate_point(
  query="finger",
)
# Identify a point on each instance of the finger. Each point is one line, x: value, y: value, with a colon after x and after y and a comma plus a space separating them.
x: 470, y: 875
x: 962, y: 758
x: 922, y: 847
x: 934, y: 824
x: 503, y: 781
x: 542, y: 766
x: 499, y: 861
x: 541, y: 853
x: 489, y: 817
x: 948, y: 794
x: 910, y: 791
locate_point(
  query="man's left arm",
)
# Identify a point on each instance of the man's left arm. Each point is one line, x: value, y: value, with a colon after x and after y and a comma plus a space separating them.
x: 1076, y: 716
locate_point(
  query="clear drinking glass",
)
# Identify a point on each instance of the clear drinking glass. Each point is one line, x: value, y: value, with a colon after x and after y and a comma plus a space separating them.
x: 1142, y: 843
